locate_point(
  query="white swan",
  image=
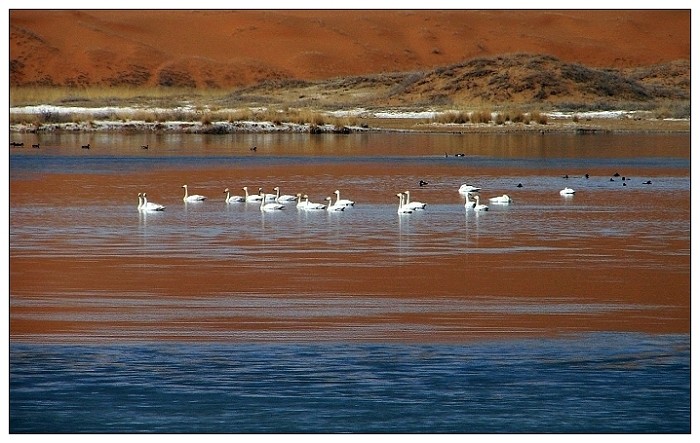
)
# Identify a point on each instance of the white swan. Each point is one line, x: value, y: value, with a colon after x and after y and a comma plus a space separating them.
x: 309, y: 206
x: 270, y: 206
x: 192, y: 198
x: 412, y: 205
x: 301, y: 204
x: 283, y: 198
x: 468, y: 204
x: 251, y: 197
x: 465, y: 188
x: 478, y: 206
x: 501, y: 200
x: 402, y: 208
x: 145, y: 205
x: 332, y: 207
x: 268, y: 197
x: 567, y: 191
x: 342, y: 202
x: 233, y: 198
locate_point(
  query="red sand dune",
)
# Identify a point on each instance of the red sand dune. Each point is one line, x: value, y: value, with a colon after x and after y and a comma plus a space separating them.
x: 233, y: 48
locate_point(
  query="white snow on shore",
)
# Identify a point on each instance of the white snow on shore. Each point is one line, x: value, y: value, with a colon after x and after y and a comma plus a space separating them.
x: 113, y: 118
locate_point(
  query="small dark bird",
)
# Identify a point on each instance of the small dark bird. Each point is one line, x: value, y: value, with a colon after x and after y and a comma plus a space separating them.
x: 586, y: 176
x: 648, y: 182
x: 566, y: 176
x: 616, y: 175
x: 611, y: 179
x: 254, y: 148
x: 422, y: 183
x: 459, y: 155
x: 144, y: 147
x: 623, y: 178
x: 86, y: 146
x: 16, y: 144
x: 36, y: 146
x: 520, y: 185
x: 624, y: 184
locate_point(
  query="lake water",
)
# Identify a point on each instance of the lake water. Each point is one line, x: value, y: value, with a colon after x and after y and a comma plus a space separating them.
x: 552, y: 314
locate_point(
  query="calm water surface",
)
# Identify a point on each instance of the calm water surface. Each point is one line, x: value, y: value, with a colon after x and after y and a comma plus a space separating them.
x: 552, y: 314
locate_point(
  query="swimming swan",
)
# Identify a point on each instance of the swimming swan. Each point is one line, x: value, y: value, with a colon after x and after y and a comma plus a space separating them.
x: 342, y: 202
x: 468, y: 204
x: 412, y: 205
x: 465, y: 188
x: 567, y: 191
x: 309, y: 206
x: 233, y: 198
x: 283, y: 198
x: 145, y: 205
x: 192, y: 198
x: 501, y: 200
x: 332, y: 207
x: 270, y: 206
x: 402, y: 208
x: 268, y: 197
x: 479, y: 207
x: 251, y: 198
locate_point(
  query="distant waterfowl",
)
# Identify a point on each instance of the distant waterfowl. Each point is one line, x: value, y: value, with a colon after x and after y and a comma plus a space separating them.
x: 478, y: 206
x: 36, y: 146
x: 193, y: 197
x: 310, y: 206
x: 145, y: 205
x: 342, y: 202
x: 566, y: 176
x: 422, y: 183
x: 412, y: 205
x: 86, y: 146
x: 648, y: 182
x: 520, y: 185
x: 17, y: 144
x: 266, y: 207
x: 254, y: 148
x: 233, y: 198
x: 267, y: 197
x: 251, y: 197
x: 465, y: 188
x: 283, y: 198
x: 301, y: 204
x: 332, y: 207
x: 501, y: 200
x: 402, y: 207
x: 586, y: 176
x: 567, y: 191
x: 616, y: 174
x: 468, y: 204
x: 144, y: 147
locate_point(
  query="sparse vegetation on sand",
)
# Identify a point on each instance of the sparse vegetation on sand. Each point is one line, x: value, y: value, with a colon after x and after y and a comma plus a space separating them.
x: 507, y: 92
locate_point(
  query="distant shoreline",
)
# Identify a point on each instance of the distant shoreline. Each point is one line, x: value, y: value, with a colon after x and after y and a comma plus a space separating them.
x: 58, y: 120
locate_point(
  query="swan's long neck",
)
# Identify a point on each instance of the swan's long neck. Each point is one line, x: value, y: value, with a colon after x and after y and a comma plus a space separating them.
x: 408, y: 197
x: 185, y: 188
x: 245, y: 189
x: 337, y: 197
x: 228, y: 196
x: 262, y: 200
x: 140, y: 202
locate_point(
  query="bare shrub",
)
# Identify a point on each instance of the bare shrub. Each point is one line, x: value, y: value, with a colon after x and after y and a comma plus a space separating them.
x: 538, y: 117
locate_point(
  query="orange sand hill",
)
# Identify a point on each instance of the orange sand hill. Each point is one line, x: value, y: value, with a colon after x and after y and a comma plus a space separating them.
x: 236, y: 48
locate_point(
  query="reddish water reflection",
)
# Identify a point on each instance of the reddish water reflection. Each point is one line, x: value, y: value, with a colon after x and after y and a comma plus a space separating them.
x: 84, y: 265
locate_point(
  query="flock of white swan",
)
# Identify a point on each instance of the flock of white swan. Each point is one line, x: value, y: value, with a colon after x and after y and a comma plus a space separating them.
x: 278, y: 202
